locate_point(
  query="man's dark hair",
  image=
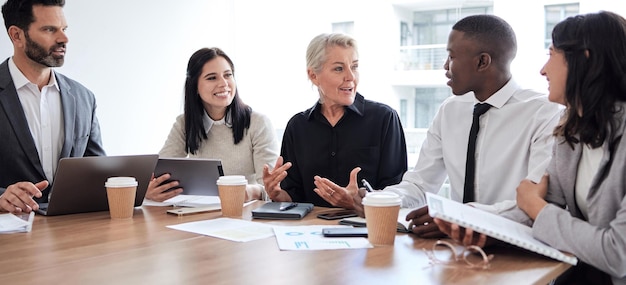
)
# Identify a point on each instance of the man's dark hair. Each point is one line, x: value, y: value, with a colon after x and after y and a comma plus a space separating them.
x: 19, y: 13
x: 494, y: 35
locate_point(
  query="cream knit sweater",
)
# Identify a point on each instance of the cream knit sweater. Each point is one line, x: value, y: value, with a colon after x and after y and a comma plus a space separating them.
x: 257, y: 148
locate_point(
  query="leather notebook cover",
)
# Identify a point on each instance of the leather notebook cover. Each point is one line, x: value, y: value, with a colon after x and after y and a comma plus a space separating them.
x: 271, y: 210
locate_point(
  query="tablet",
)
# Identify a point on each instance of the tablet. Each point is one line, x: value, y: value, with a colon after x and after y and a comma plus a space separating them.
x: 197, y: 176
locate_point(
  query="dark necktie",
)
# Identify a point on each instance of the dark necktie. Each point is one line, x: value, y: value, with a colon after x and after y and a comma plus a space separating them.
x: 470, y: 163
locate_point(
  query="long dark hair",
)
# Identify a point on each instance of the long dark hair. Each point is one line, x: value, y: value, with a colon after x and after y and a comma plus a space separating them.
x: 594, y: 46
x: 194, y: 110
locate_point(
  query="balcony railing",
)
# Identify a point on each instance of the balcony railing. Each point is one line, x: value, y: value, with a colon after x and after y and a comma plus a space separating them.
x: 422, y: 57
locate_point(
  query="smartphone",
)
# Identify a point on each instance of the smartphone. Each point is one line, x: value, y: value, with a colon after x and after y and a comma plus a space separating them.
x: 337, y: 214
x: 344, y: 232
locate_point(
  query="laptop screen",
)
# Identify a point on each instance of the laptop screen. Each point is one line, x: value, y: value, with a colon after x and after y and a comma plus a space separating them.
x: 79, y: 181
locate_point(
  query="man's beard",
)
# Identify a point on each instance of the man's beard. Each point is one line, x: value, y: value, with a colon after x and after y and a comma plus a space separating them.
x: 39, y: 54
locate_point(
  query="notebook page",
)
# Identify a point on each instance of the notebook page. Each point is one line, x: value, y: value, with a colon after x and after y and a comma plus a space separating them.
x: 492, y: 225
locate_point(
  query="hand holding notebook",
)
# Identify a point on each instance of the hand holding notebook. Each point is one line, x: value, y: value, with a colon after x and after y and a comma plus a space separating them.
x: 492, y: 225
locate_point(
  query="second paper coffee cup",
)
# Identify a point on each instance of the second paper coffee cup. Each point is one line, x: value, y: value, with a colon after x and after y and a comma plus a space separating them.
x: 232, y: 192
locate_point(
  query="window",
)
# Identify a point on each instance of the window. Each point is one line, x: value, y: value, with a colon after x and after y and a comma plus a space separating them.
x: 403, y: 111
x: 427, y: 102
x: 404, y: 34
x: 555, y: 14
x: 423, y: 44
x: 344, y: 27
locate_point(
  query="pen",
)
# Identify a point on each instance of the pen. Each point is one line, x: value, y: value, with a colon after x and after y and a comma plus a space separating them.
x: 287, y: 207
x: 367, y: 185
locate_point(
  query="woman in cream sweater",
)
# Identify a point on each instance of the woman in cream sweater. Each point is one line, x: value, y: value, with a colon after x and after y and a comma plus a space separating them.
x: 217, y: 124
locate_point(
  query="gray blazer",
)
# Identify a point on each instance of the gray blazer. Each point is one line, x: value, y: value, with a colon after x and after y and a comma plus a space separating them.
x: 599, y: 241
x: 19, y: 160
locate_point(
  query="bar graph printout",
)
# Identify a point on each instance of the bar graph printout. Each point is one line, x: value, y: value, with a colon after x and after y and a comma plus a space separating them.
x: 311, y: 238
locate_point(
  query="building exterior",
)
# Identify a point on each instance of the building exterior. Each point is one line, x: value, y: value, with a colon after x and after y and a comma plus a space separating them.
x: 412, y: 49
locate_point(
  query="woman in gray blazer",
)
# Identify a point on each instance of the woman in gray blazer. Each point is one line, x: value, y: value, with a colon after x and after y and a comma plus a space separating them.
x: 580, y: 204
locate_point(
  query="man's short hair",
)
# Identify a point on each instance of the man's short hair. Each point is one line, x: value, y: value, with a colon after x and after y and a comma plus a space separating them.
x: 494, y: 35
x: 19, y: 13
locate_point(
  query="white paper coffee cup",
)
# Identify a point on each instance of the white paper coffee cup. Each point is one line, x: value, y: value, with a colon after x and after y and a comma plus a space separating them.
x: 232, y: 180
x: 120, y: 181
x: 382, y: 199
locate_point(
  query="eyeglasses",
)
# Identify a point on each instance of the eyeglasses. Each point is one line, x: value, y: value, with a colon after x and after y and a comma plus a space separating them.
x: 472, y: 256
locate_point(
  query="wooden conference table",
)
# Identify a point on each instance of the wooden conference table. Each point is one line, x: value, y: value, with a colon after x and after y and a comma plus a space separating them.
x: 91, y: 248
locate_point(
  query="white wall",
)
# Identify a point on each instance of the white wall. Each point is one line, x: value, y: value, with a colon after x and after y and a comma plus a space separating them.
x: 133, y: 56
x: 531, y: 54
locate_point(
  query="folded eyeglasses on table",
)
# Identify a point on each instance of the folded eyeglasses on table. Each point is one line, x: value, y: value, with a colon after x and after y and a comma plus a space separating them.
x: 446, y: 254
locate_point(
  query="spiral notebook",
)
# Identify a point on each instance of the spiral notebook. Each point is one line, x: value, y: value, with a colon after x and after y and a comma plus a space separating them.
x: 492, y: 225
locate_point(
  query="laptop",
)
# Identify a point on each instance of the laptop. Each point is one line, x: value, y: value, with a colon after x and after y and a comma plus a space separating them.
x: 78, y: 185
x: 197, y: 176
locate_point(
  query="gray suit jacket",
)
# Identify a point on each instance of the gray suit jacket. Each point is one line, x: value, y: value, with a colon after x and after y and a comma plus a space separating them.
x: 600, y: 240
x: 19, y: 160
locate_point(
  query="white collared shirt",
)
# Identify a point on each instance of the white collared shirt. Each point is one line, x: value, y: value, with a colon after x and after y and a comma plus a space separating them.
x: 514, y: 142
x: 44, y: 114
x: 208, y: 122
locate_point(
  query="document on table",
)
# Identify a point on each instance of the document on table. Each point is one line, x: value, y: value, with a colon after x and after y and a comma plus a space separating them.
x: 186, y: 201
x: 10, y: 223
x: 195, y: 201
x: 227, y: 228
x: 311, y: 238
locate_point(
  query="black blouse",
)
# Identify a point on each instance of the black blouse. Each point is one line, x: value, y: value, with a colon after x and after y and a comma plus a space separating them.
x: 369, y: 135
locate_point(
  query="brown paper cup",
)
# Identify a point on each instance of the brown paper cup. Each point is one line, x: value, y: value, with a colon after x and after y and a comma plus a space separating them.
x: 381, y: 217
x: 381, y: 224
x: 232, y: 192
x: 121, y: 196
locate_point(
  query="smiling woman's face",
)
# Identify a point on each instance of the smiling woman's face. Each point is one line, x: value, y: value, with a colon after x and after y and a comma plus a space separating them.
x: 217, y: 87
x: 555, y: 71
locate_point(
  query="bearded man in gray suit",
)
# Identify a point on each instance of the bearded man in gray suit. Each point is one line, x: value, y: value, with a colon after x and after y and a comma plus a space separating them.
x: 44, y: 116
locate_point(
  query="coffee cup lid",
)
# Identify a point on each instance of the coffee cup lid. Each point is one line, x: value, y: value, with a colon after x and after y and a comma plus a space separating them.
x: 120, y: 181
x: 382, y: 199
x: 232, y: 180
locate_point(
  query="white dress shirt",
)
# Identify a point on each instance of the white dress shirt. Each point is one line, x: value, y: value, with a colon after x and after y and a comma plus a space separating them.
x: 44, y: 115
x: 514, y: 142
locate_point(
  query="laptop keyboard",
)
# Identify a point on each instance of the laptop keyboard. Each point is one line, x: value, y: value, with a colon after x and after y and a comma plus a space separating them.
x: 43, y: 206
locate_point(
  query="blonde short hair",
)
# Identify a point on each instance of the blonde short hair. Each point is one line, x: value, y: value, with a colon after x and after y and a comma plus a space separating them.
x: 316, y: 51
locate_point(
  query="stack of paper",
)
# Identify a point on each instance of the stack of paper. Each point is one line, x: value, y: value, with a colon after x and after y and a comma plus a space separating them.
x: 186, y: 201
x: 10, y: 223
